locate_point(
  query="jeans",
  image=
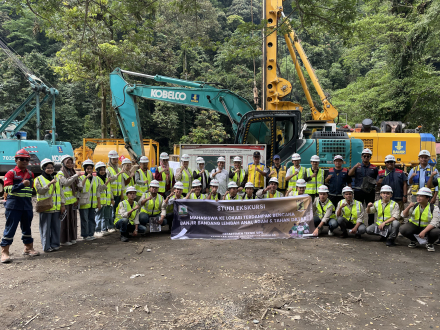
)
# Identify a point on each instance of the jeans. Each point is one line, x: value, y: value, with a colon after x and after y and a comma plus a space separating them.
x: 125, y: 227
x: 87, y: 217
x: 344, y: 224
x: 144, y: 219
x: 366, y: 198
x: 117, y: 201
x: 13, y: 217
x: 393, y: 229
x: 409, y: 229
x: 332, y: 223
x: 50, y: 225
x: 103, y: 218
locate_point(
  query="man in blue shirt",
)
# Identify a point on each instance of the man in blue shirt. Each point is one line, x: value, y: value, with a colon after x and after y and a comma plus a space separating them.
x: 418, y: 176
x: 337, y: 179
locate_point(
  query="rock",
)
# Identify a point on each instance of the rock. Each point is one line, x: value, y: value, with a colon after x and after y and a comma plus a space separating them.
x: 256, y: 321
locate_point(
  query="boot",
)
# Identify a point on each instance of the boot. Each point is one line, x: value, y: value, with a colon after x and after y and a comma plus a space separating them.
x: 5, y: 254
x: 29, y: 250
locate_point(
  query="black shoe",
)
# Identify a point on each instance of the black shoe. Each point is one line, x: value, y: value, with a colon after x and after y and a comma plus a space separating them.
x: 383, y: 239
x: 124, y: 239
x: 437, y: 242
x: 390, y: 242
x: 344, y: 234
x: 413, y: 244
x: 358, y: 236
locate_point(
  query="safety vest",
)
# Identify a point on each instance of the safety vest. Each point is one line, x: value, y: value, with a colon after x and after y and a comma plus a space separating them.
x: 56, y: 196
x: 246, y: 197
x: 384, y: 215
x: 143, y: 188
x: 424, y: 219
x: 294, y: 193
x: 269, y: 195
x: 415, y: 187
x: 214, y: 197
x: 186, y: 180
x: 152, y: 207
x: 301, y: 175
x: 206, y: 174
x: 170, y: 206
x: 321, y: 210
x: 314, y: 183
x: 106, y: 195
x: 236, y: 198
x: 128, y: 208
x: 194, y: 196
x: 280, y: 175
x: 351, y: 214
x: 90, y: 188
x: 255, y: 177
x: 23, y: 192
x: 68, y: 194
x: 239, y: 177
x: 130, y: 183
x: 117, y: 184
x: 162, y: 184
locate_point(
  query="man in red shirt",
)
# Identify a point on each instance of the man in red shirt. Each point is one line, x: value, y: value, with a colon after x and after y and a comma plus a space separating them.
x: 18, y: 187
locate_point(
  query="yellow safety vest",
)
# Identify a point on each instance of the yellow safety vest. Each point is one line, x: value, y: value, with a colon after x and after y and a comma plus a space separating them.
x: 141, y: 189
x: 255, y: 177
x: 106, y: 195
x: 237, y: 197
x: 152, y: 207
x: 314, y: 183
x: 162, y: 184
x: 301, y: 175
x: 56, y: 197
x: 194, y: 196
x: 280, y: 175
x: 93, y: 201
x: 424, y: 219
x: 239, y: 177
x: 117, y: 184
x: 186, y: 180
x: 130, y: 183
x: 415, y: 187
x: 68, y: 194
x: 269, y: 195
x: 170, y: 206
x: 351, y: 214
x: 214, y: 197
x: 246, y: 197
x: 322, y: 210
x: 384, y: 215
x: 128, y: 208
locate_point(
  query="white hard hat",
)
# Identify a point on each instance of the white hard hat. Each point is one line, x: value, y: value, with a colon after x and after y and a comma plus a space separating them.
x: 390, y: 158
x: 301, y: 183
x: 425, y: 191
x: 179, y: 185
x: 367, y: 151
x: 273, y: 180
x: 196, y: 183
x: 386, y: 188
x: 221, y: 159
x: 130, y: 189
x: 322, y: 189
x: 237, y: 159
x: 338, y: 157
x: 164, y: 155
x: 200, y: 160
x: 185, y: 158
x: 66, y: 157
x: 46, y: 161
x: 424, y: 153
x: 99, y: 164
x: 249, y: 185
x: 113, y: 154
x: 315, y: 158
x: 88, y: 162
x: 154, y: 183
x: 214, y: 183
x: 232, y: 184
x: 126, y: 161
x: 346, y: 189
x: 144, y: 159
x: 296, y: 157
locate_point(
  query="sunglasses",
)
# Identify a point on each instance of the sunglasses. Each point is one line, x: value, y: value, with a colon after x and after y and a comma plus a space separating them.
x: 23, y: 159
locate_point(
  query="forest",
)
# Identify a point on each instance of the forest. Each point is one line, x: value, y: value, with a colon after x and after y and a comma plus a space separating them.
x: 377, y: 59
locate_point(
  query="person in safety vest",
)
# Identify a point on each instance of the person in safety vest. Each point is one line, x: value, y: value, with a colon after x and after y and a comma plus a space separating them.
x: 89, y: 200
x: 295, y: 172
x: 213, y: 191
x: 388, y: 214
x: 127, y: 216
x: 337, y: 179
x: 164, y: 174
x: 202, y: 174
x: 184, y: 174
x: 103, y: 217
x: 419, y: 176
x: 196, y: 191
x: 232, y: 193
x: 142, y: 177
x: 115, y: 175
x: 47, y: 186
x: 423, y: 220
x: 18, y: 187
x: 151, y: 205
x: 350, y: 214
x: 270, y: 191
x: 167, y: 209
x: 68, y: 179
x: 434, y: 180
x: 314, y: 177
x: 127, y: 176
x: 221, y: 175
x: 257, y: 172
x: 249, y: 191
x: 323, y: 209
x: 300, y: 188
x: 278, y: 171
x: 238, y: 174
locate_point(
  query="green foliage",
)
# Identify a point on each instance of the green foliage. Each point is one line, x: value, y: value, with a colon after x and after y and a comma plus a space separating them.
x: 208, y: 130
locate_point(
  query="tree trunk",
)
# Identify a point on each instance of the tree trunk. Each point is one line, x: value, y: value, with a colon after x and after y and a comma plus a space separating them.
x: 103, y: 112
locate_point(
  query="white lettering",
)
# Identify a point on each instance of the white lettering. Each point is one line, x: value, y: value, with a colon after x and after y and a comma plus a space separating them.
x: 171, y: 95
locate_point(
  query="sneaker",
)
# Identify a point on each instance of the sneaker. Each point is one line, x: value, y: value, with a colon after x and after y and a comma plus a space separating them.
x: 412, y: 244
x: 330, y: 233
x: 72, y: 242
x: 56, y: 248
x: 344, y: 234
x: 99, y: 234
x: 430, y: 247
x: 48, y: 250
x: 111, y: 230
x: 67, y: 243
x: 90, y: 238
x: 437, y: 242
x: 124, y: 239
x: 390, y: 242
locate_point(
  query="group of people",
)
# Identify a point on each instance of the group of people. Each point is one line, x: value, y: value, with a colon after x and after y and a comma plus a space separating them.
x: 131, y: 197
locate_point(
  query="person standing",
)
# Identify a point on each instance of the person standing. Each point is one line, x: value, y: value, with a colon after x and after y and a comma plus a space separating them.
x: 127, y: 176
x: 47, y: 186
x: 295, y: 172
x: 103, y: 217
x: 278, y: 171
x: 164, y: 175
x: 359, y: 172
x: 238, y: 174
x: 337, y: 179
x: 418, y: 176
x: 115, y: 175
x: 221, y: 175
x: 18, y: 187
x: 323, y: 209
x: 142, y: 177
x: 184, y: 175
x: 350, y: 214
x: 314, y: 177
x: 270, y: 191
x: 202, y: 174
x: 68, y: 179
x: 256, y: 172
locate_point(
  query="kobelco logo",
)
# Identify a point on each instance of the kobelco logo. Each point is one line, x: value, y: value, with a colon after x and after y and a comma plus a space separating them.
x: 171, y: 95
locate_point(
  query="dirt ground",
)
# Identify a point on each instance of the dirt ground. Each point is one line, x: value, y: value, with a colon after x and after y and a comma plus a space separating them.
x: 324, y: 283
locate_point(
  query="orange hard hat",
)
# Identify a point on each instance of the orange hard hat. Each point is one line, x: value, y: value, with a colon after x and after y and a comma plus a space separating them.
x: 22, y: 153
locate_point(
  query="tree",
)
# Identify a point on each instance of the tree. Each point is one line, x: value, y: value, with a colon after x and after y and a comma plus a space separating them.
x: 208, y: 129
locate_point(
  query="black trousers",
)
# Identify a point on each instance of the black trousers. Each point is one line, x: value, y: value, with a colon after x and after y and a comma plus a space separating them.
x: 366, y: 198
x: 335, y: 199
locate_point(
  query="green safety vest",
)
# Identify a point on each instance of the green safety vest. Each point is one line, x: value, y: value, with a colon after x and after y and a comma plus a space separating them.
x: 128, y: 208
x: 301, y: 175
x: 117, y: 184
x: 246, y: 197
x: 321, y: 210
x: 237, y: 197
x: 141, y: 189
x: 106, y: 195
x: 424, y: 219
x: 351, y: 214
x: 186, y: 180
x: 170, y: 206
x: 214, y: 197
x: 239, y: 177
x: 193, y: 196
x: 152, y: 207
x: 131, y: 183
x: 384, y: 215
x: 56, y: 197
x: 162, y: 184
x: 276, y: 195
x: 93, y: 200
x: 280, y: 175
x: 68, y: 194
x: 314, y: 183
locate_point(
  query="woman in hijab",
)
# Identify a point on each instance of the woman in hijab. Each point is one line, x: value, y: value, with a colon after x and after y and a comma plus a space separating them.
x: 68, y: 179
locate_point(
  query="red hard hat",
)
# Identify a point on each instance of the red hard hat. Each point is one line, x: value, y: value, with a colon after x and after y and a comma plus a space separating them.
x: 22, y: 153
